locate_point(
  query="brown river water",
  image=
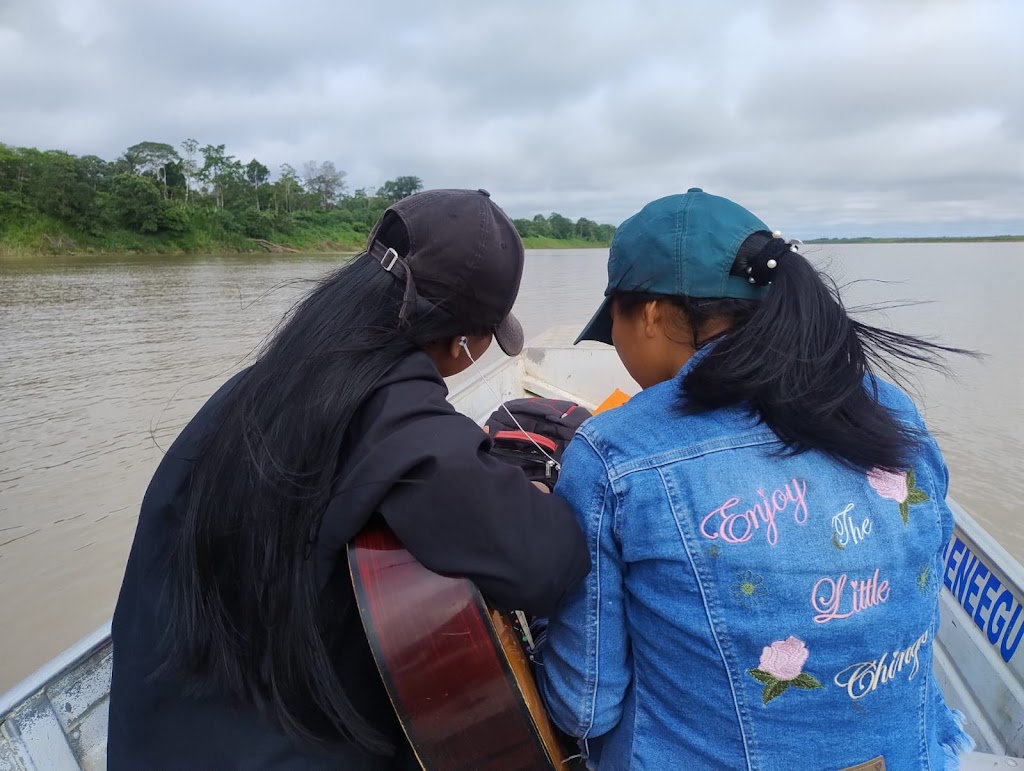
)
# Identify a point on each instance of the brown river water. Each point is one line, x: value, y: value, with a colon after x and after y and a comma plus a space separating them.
x: 103, y: 360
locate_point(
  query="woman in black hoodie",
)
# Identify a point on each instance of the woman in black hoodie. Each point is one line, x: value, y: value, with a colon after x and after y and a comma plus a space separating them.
x: 237, y: 643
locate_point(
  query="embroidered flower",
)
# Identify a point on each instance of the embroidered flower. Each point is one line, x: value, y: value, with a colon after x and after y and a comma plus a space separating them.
x: 891, y: 485
x: 782, y: 665
x: 785, y: 659
x: 898, y: 486
x: 924, y: 578
x: 748, y: 588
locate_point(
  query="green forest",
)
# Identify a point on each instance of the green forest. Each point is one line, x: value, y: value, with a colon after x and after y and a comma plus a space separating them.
x: 156, y: 198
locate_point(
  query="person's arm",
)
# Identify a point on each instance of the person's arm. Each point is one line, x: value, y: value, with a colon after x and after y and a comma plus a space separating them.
x: 461, y: 511
x: 932, y: 474
x: 586, y: 658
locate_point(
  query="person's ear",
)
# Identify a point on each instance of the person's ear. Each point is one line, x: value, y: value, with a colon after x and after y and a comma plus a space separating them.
x: 652, y: 318
x: 455, y: 346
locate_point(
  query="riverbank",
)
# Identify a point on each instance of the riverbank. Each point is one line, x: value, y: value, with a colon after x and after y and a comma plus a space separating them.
x: 205, y: 234
x: 328, y: 240
x: 123, y: 243
x: 542, y: 242
x: 19, y: 253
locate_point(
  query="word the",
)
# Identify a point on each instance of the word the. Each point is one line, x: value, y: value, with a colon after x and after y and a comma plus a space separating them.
x: 845, y: 532
x: 861, y: 679
x: 739, y: 526
x: 828, y: 597
x: 998, y: 611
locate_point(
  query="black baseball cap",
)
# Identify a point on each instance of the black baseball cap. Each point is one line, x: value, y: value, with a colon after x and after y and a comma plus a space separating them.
x: 460, y: 251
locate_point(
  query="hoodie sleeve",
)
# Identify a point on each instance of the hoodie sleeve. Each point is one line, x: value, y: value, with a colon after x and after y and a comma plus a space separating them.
x: 461, y: 511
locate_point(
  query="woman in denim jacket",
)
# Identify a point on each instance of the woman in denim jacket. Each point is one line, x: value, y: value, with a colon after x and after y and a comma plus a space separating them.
x: 765, y: 520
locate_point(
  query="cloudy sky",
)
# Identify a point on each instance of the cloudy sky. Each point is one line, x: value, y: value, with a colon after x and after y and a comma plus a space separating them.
x: 883, y: 117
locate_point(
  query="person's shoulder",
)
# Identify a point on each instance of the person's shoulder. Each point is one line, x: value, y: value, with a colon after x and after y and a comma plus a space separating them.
x: 417, y: 369
x: 607, y: 425
x: 895, y: 399
x: 413, y: 386
x: 623, y: 432
x: 413, y: 398
x: 206, y: 418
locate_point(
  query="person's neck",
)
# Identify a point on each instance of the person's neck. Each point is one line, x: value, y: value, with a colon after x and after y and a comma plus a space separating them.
x: 680, y: 357
x: 683, y: 353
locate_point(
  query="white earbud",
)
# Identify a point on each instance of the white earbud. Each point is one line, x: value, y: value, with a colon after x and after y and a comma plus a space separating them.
x: 552, y: 463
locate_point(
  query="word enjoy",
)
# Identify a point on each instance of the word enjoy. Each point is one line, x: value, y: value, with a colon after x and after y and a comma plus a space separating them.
x: 861, y: 679
x: 845, y: 532
x: 829, y: 596
x: 737, y: 525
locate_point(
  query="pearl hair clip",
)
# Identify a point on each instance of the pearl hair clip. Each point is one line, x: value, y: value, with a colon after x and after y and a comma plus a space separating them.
x: 775, y: 250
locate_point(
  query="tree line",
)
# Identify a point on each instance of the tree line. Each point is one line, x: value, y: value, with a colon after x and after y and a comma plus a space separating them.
x: 195, y: 197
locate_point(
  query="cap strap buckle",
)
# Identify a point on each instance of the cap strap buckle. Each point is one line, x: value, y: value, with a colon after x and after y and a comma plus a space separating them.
x: 388, y: 260
x: 390, y: 257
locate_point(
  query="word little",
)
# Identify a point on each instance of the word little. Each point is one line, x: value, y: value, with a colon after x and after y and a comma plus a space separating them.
x: 828, y: 597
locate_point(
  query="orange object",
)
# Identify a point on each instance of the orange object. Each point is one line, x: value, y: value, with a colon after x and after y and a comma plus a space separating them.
x: 617, y: 399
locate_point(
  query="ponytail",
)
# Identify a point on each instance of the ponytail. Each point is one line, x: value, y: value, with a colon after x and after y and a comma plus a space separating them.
x: 799, y: 362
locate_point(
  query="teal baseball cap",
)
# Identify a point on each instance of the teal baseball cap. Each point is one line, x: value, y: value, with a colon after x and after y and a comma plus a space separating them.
x: 683, y: 245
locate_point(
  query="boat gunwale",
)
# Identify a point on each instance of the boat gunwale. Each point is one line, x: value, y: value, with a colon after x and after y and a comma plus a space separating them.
x: 50, y: 672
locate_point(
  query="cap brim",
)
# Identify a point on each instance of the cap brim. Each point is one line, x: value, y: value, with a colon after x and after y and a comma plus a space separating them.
x: 509, y: 334
x: 599, y: 328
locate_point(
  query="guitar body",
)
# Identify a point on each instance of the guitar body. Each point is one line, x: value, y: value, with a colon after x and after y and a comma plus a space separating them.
x: 457, y: 676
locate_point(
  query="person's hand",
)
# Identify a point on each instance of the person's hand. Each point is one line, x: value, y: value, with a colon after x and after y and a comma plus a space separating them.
x: 542, y: 487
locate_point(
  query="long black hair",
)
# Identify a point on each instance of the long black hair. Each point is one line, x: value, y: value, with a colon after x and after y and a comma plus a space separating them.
x: 797, y: 360
x: 241, y: 591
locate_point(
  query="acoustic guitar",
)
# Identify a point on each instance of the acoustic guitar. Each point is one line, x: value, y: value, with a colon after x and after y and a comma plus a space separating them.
x: 457, y: 675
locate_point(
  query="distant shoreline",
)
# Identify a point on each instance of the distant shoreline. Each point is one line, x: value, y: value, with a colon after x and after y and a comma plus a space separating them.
x: 7, y: 252
x: 919, y: 240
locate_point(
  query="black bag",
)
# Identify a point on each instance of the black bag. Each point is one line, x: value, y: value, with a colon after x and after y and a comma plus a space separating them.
x: 550, y: 423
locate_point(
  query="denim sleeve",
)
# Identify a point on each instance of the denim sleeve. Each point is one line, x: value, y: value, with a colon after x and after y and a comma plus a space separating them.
x: 584, y: 670
x: 903, y: 407
x: 932, y: 457
x: 941, y: 472
x: 948, y: 722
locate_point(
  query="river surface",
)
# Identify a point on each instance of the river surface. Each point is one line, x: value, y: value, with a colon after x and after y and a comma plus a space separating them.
x: 103, y: 360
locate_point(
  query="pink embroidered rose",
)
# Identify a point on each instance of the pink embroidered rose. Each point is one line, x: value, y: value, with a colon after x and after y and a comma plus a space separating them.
x: 784, y: 660
x: 891, y: 485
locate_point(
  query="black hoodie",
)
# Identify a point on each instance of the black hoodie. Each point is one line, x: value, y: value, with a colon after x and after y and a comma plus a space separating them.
x: 427, y: 470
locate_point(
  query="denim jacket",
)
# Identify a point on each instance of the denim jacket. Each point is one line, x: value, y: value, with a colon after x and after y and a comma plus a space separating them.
x: 748, y: 609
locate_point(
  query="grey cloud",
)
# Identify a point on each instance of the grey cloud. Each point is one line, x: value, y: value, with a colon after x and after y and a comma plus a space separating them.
x: 827, y: 117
